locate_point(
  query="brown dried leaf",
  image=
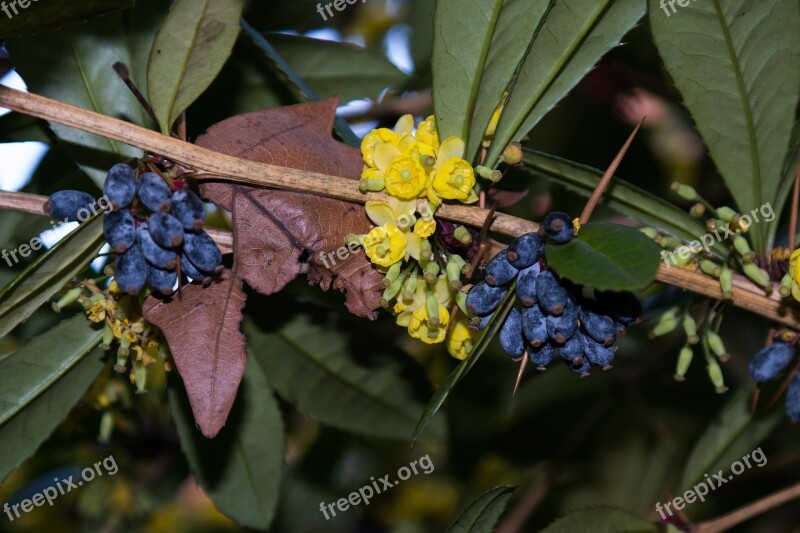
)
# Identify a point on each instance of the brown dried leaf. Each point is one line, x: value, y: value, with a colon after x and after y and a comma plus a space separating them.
x: 201, y: 326
x: 275, y: 230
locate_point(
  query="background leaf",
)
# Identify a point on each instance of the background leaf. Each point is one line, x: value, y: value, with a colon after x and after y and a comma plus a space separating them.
x: 601, y: 520
x: 49, y: 272
x: 461, y: 42
x: 189, y: 50
x: 483, y: 513
x: 310, y: 365
x: 54, y: 14
x: 736, y: 65
x: 575, y: 35
x: 606, y: 257
x: 241, y: 468
x: 41, y: 382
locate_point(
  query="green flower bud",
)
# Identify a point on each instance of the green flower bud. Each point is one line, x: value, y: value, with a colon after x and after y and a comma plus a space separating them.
x: 372, y: 185
x: 726, y: 282
x: 108, y: 338
x: 391, y: 291
x: 454, y: 275
x: 106, y: 427
x: 717, y: 346
x: 432, y: 306
x: 668, y: 241
x: 785, y: 289
x: 715, y: 375
x: 690, y: 327
x: 391, y: 275
x: 758, y: 275
x: 461, y: 301
x: 687, y: 192
x: 431, y: 272
x: 650, y: 232
x: 425, y: 250
x: 463, y: 235
x: 710, y: 268
x: 698, y: 210
x: 667, y: 323
x: 140, y: 377
x: 727, y: 214
x: 122, y: 355
x: 684, y: 360
x: 69, y: 298
x: 512, y: 155
x: 742, y: 247
x: 410, y: 286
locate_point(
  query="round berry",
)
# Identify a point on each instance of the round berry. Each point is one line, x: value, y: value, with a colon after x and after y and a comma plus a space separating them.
x: 558, y: 227
x: 525, y: 250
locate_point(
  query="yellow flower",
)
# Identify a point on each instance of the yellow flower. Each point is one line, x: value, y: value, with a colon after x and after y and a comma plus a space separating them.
x: 454, y: 180
x: 405, y: 178
x: 424, y: 228
x: 420, y: 327
x: 428, y: 133
x: 459, y: 340
x: 385, y: 245
x: 373, y: 140
x: 98, y: 312
x: 794, y: 265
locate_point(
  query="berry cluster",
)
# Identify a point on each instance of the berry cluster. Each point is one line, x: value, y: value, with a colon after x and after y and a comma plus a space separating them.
x: 155, y: 232
x: 771, y: 361
x: 555, y: 315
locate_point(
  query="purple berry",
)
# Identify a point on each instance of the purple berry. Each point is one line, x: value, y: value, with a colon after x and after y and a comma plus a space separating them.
x: 189, y: 209
x: 70, y: 206
x: 526, y: 250
x: 483, y: 299
x: 771, y: 361
x: 558, y: 227
x: 202, y: 251
x: 120, y: 186
x: 154, y: 193
x: 499, y: 271
x: 165, y: 229
x: 119, y: 229
x: 526, y: 284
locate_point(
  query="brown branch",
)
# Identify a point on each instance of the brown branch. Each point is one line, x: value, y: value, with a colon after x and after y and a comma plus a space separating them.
x: 211, y: 165
x: 725, y: 522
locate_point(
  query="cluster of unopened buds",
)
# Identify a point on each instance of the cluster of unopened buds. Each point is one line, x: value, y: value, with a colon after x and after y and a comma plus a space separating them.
x: 120, y: 313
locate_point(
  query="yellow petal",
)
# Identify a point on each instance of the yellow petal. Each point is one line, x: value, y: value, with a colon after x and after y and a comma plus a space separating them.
x: 405, y: 125
x: 403, y: 319
x: 413, y: 243
x: 380, y: 213
x: 472, y: 198
x: 452, y: 147
x: 384, y: 155
x: 402, y: 207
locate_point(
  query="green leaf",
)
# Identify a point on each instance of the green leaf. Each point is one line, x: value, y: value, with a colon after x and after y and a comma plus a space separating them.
x: 53, y: 14
x: 510, y: 43
x: 75, y: 66
x: 735, y: 63
x: 575, y: 36
x: 310, y: 365
x: 191, y: 47
x: 40, y: 383
x: 483, y: 513
x: 241, y: 468
x: 49, y: 272
x: 455, y: 377
x: 463, y: 33
x: 733, y: 434
x: 606, y: 257
x: 600, y: 520
x: 295, y: 81
x: 15, y: 128
x: 620, y: 196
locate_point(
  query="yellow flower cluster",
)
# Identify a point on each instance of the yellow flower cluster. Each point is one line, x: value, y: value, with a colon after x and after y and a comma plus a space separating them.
x: 422, y: 278
x: 794, y: 272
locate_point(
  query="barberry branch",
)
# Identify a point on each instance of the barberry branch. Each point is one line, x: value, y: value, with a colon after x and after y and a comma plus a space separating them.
x: 725, y: 522
x: 214, y: 165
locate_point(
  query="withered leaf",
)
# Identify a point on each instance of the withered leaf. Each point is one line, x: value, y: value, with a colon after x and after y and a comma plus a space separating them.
x: 279, y: 235
x: 201, y: 326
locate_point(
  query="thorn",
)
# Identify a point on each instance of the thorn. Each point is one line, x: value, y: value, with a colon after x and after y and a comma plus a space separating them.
x: 122, y: 71
x: 522, y: 366
x: 482, y: 247
x: 754, y: 400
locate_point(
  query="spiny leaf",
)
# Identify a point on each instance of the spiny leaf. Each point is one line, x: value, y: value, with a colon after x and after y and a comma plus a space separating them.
x: 201, y: 326
x: 241, y: 469
x: 48, y: 273
x: 606, y: 257
x: 310, y: 365
x: 573, y: 38
x: 461, y: 42
x: 40, y: 384
x: 601, y: 520
x: 735, y: 63
x: 50, y: 15
x: 274, y: 229
x: 483, y: 513
x: 190, y: 49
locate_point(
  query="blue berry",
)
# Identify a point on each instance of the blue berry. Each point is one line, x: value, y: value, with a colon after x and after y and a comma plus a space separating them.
x: 483, y: 299
x: 526, y: 250
x: 202, y: 251
x: 130, y: 270
x: 499, y: 271
x: 562, y: 328
x: 165, y: 229
x: 581, y: 368
x: 162, y: 281
x: 534, y: 326
x: 793, y: 399
x: 511, y: 335
x: 154, y: 192
x: 526, y: 284
x: 598, y: 327
x: 70, y: 206
x: 191, y: 271
x: 574, y: 349
x: 542, y: 356
x: 558, y: 227
x: 119, y: 229
x: 552, y: 296
x: 120, y: 186
x: 599, y: 355
x: 771, y: 361
x: 189, y: 209
x: 163, y: 258
x: 623, y: 306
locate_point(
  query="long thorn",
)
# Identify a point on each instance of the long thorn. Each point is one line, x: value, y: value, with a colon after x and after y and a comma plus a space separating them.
x: 603, y: 184
x: 522, y: 366
x: 793, y: 213
x: 124, y: 74
x: 482, y: 245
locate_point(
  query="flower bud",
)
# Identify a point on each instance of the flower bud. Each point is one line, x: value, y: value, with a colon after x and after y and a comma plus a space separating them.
x: 108, y: 337
x: 715, y: 375
x: 785, y: 289
x: 717, y: 346
x: 687, y: 192
x: 698, y: 210
x: 650, y: 232
x: 684, y: 360
x: 431, y: 272
x: 726, y: 282
x: 742, y: 247
x: 453, y: 275
x: 758, y: 275
x: 410, y: 286
x: 140, y: 377
x: 69, y: 298
x: 690, y: 327
x: 463, y: 235
x: 710, y: 268
x: 667, y: 323
x: 391, y: 275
